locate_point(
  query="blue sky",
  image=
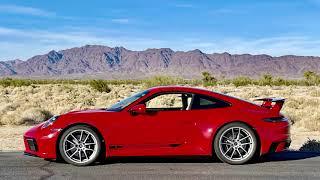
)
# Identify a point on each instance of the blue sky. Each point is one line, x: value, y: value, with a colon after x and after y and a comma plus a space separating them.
x: 275, y: 27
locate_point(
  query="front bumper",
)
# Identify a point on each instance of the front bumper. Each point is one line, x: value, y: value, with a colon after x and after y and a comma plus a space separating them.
x: 28, y: 154
x: 41, y: 142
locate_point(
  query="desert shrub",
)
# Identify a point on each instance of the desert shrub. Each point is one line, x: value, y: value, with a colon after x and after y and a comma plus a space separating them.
x: 315, y: 93
x: 33, y: 116
x: 124, y: 81
x: 100, y: 85
x: 163, y: 81
x: 311, y: 146
x: 88, y: 102
x: 266, y: 80
x: 279, y: 82
x: 14, y: 82
x: 208, y: 79
x: 242, y: 81
x: 311, y: 78
x: 309, y: 75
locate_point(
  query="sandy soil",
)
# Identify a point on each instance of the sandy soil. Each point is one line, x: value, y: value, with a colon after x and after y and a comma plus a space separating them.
x: 11, y: 137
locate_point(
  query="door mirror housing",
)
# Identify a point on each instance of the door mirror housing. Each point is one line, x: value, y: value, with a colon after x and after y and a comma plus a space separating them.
x: 138, y: 109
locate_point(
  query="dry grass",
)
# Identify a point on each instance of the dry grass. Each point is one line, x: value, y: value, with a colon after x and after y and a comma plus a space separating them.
x: 31, y: 104
x: 25, y: 105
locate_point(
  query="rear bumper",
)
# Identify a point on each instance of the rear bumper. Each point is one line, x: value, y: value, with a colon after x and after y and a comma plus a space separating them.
x: 279, y: 146
x: 274, y: 137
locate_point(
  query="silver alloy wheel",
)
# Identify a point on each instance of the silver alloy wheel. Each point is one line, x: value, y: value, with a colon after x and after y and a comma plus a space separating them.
x: 80, y: 146
x: 236, y: 144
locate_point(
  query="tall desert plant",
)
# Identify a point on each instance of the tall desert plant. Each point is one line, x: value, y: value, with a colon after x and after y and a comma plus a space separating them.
x: 208, y: 79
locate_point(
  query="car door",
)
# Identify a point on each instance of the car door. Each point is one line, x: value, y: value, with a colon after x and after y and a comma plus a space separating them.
x: 162, y: 127
x: 180, y: 123
x: 205, y: 112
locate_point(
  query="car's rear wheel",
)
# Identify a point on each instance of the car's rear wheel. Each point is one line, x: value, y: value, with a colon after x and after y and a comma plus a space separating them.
x: 235, y: 143
x: 80, y: 145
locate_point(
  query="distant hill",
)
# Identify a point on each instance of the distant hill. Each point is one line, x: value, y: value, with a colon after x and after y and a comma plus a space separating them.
x: 120, y: 63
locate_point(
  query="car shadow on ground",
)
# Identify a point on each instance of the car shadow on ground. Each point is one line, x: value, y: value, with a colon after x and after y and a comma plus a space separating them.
x: 124, y: 160
x: 281, y: 156
x: 309, y: 149
x: 288, y: 156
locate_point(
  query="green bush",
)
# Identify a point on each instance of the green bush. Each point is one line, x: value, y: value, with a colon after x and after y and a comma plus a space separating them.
x: 310, y: 146
x: 161, y: 81
x: 100, y: 85
x: 14, y: 82
x: 208, y: 79
x: 266, y: 80
x: 311, y: 78
x: 242, y: 81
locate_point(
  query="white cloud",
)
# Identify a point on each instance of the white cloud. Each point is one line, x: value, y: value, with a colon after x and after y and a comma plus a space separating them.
x: 184, y: 5
x: 276, y: 46
x: 120, y: 20
x: 14, y: 9
x: 23, y: 44
x: 225, y: 11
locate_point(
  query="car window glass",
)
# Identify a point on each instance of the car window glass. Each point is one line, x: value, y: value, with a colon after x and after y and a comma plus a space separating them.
x: 205, y: 102
x: 125, y: 102
x: 165, y: 101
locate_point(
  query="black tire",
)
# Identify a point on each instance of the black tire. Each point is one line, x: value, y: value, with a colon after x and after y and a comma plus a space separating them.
x: 219, y: 147
x: 97, y: 146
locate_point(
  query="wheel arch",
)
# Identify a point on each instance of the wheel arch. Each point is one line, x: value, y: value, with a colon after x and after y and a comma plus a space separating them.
x: 103, y: 147
x: 258, y: 152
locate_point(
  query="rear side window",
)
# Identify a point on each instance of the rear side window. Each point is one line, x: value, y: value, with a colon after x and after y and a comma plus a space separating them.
x: 205, y: 102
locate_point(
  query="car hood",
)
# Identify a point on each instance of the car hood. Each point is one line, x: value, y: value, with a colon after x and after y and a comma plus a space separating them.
x: 89, y: 111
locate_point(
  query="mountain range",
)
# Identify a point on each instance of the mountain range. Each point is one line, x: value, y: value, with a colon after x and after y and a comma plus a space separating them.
x: 120, y: 63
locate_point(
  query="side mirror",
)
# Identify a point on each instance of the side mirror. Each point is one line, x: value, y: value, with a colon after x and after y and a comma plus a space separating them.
x: 138, y: 109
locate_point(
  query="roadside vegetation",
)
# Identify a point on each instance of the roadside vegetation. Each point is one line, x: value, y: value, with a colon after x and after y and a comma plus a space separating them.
x: 311, y: 146
x: 309, y: 79
x: 100, y: 85
x: 36, y: 103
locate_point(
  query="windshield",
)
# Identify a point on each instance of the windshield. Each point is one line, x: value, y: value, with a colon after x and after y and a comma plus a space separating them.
x: 125, y: 102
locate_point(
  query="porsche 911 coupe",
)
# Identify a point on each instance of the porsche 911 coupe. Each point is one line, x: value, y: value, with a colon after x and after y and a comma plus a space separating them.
x: 162, y: 122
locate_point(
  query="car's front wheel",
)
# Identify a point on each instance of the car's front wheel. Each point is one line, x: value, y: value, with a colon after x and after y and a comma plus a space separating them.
x: 80, y: 145
x: 235, y: 143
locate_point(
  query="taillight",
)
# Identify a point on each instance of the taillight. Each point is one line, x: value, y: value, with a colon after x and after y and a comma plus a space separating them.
x: 276, y: 119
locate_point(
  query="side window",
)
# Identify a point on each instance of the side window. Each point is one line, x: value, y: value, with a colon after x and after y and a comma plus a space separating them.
x: 172, y: 101
x: 205, y: 102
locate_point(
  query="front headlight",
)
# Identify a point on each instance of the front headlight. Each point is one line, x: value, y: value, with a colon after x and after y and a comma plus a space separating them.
x: 50, y: 121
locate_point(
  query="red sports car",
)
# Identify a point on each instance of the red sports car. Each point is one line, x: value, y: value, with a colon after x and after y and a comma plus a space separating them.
x: 165, y: 121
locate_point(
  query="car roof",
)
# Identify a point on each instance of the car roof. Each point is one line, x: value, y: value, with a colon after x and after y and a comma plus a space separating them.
x: 186, y: 89
x: 180, y: 88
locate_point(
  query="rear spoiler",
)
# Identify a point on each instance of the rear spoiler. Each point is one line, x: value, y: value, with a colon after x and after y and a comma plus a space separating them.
x: 275, y: 104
